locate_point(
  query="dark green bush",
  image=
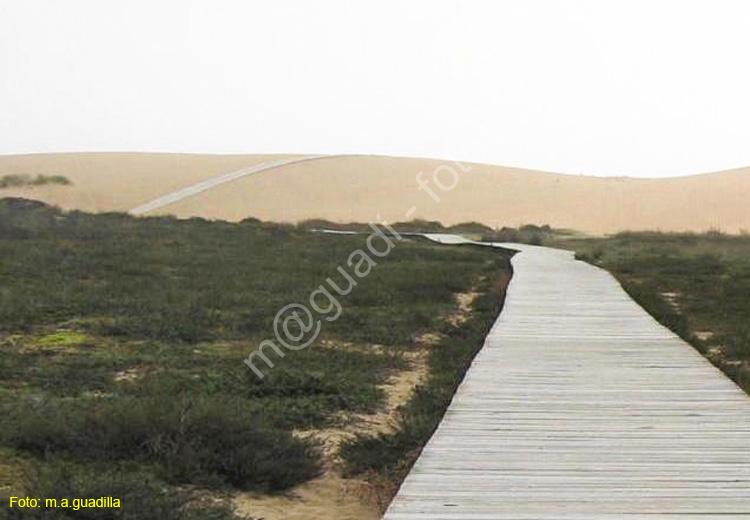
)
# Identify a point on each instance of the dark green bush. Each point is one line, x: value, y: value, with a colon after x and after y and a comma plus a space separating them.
x: 202, y: 441
x: 738, y: 342
x: 141, y: 496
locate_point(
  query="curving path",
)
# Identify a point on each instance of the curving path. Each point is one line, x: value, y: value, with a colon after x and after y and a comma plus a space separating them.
x: 189, y: 191
x: 581, y: 406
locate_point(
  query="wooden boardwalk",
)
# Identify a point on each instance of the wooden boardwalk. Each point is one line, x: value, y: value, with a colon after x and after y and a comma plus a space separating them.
x: 581, y: 406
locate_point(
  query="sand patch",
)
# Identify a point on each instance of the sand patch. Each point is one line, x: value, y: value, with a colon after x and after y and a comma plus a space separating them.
x: 130, y: 375
x: 349, y: 346
x: 464, y: 305
x: 330, y: 496
x: 672, y: 298
x: 398, y: 390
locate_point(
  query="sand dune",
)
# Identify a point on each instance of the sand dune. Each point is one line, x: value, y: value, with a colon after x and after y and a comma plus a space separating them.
x: 118, y: 181
x: 357, y: 188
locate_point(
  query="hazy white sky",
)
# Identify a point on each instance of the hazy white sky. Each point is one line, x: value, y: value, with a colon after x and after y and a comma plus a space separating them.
x: 598, y: 87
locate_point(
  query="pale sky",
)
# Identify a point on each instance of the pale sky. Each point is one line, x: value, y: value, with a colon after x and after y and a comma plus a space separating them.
x: 643, y: 88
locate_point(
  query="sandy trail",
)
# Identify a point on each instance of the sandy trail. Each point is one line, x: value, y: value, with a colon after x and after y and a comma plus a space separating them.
x: 214, y: 182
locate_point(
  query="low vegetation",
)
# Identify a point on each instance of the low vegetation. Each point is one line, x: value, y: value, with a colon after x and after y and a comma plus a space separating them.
x: 141, y: 495
x: 698, y: 285
x: 526, y: 234
x: 122, y: 342
x: 392, y: 454
x: 21, y: 181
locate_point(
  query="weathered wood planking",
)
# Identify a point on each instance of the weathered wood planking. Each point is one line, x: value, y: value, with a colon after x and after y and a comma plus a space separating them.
x: 581, y: 406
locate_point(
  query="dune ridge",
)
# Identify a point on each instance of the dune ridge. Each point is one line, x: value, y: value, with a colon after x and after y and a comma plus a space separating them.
x: 359, y: 188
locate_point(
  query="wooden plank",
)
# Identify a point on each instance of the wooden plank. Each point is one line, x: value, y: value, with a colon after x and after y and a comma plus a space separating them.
x: 581, y: 406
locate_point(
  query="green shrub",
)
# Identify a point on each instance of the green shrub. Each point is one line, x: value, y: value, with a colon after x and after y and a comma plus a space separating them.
x: 738, y: 342
x: 141, y: 496
x: 17, y: 181
x: 204, y: 441
x: 660, y: 309
x: 393, y: 453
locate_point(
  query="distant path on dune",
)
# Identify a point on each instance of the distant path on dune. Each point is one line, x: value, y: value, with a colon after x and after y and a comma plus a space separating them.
x: 580, y: 406
x: 355, y: 187
x: 171, y: 198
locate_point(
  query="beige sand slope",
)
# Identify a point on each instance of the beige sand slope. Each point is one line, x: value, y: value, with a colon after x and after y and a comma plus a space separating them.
x: 118, y: 181
x: 357, y: 188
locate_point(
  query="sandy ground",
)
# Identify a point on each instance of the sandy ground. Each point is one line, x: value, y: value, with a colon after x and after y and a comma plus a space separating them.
x: 358, y: 188
x: 331, y: 497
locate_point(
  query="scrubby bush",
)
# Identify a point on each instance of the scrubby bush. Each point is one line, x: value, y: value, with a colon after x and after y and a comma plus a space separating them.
x: 178, y: 305
x: 140, y: 494
x: 204, y: 441
x: 18, y: 181
x: 189, y: 281
x: 738, y: 342
x: 392, y: 453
